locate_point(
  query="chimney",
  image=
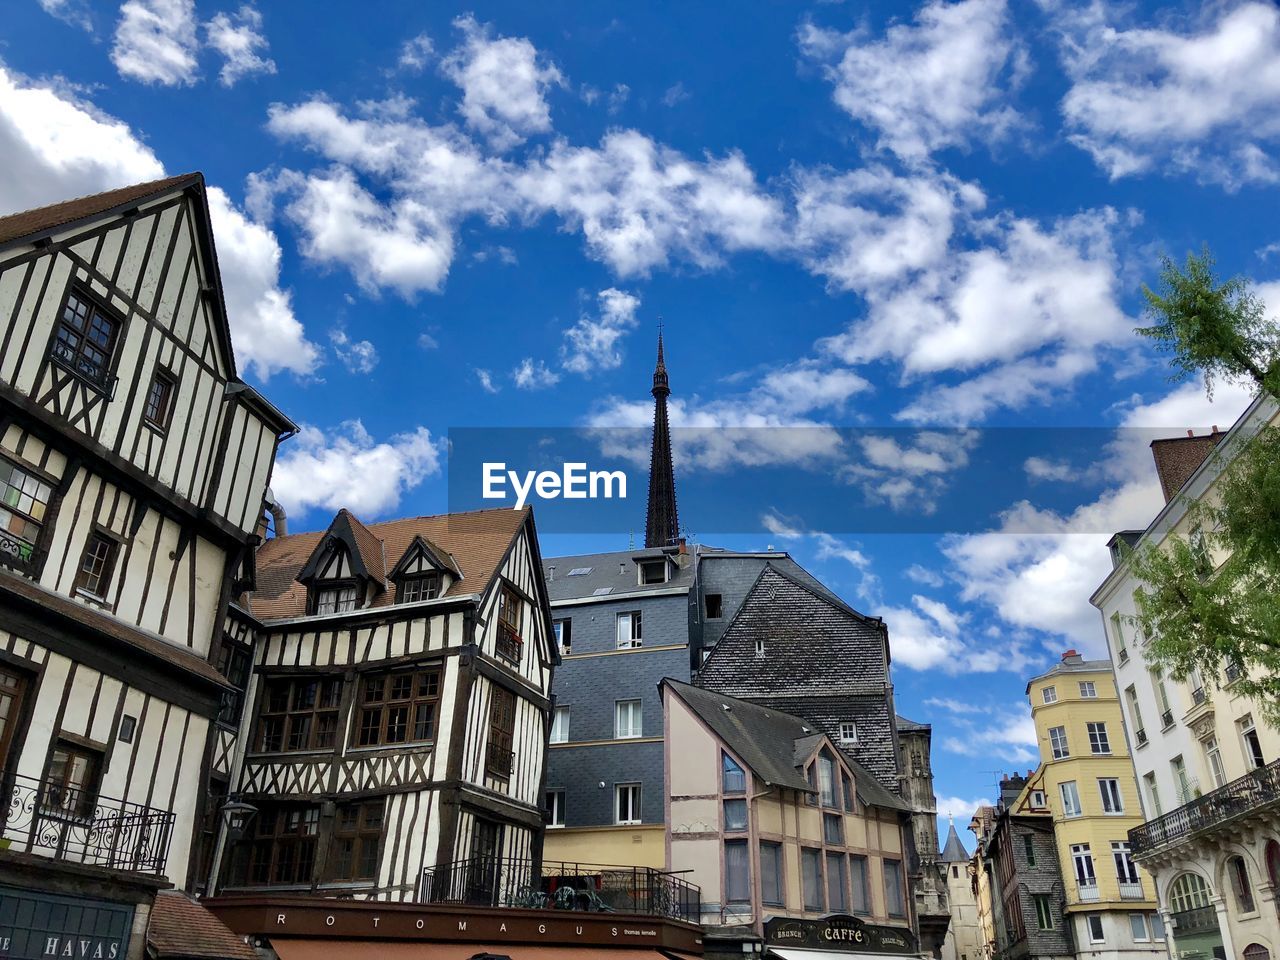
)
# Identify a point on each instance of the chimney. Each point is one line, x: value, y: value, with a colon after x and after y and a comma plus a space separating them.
x: 1071, y: 656
x: 277, y: 514
x: 551, y: 572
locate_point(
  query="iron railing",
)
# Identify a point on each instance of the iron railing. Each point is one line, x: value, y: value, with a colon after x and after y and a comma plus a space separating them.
x: 1088, y: 890
x: 1166, y: 720
x: 71, y: 824
x: 1253, y: 790
x: 1194, y: 920
x: 1141, y: 736
x: 508, y: 882
x: 1131, y: 890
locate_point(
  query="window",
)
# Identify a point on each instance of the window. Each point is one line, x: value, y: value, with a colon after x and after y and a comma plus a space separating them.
x: 714, y: 606
x: 1179, y: 768
x: 1135, y: 714
x: 771, y: 874
x: 560, y: 725
x: 733, y: 779
x: 626, y: 803
x: 424, y: 586
x: 357, y: 838
x: 284, y: 846
x: 338, y: 598
x: 1044, y: 911
x: 94, y: 575
x: 832, y: 828
x: 234, y: 662
x: 759, y: 648
x: 811, y: 872
x: 628, y: 722
x: 1252, y: 745
x: 847, y: 786
x: 848, y: 731
x: 893, y: 888
x: 1109, y: 788
x: 1188, y: 892
x: 1238, y: 873
x: 1213, y: 756
x: 1162, y: 699
x: 1070, y: 799
x: 735, y: 814
x: 1117, y: 638
x: 628, y: 630
x: 737, y: 872
x: 1138, y: 927
x: 23, y: 501
x: 71, y: 781
x: 85, y: 340
x: 1094, y: 922
x: 1126, y: 870
x: 13, y: 692
x: 653, y: 571
x: 1098, y: 742
x: 1157, y: 927
x: 1088, y: 690
x: 826, y: 780
x: 299, y: 714
x: 1050, y: 694
x: 499, y: 756
x: 1038, y: 799
x: 159, y: 404
x: 555, y: 808
x: 1058, y: 740
x: 837, y: 883
x: 861, y: 889
x: 398, y: 707
x: 1082, y: 861
x: 563, y: 630
x: 580, y: 571
x: 1154, y: 793
x: 1029, y: 849
x: 509, y: 644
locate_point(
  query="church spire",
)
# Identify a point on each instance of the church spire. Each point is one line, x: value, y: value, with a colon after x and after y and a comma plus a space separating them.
x: 662, y: 527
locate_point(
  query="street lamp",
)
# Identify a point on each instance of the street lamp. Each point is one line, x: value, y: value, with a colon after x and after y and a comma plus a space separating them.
x: 236, y: 815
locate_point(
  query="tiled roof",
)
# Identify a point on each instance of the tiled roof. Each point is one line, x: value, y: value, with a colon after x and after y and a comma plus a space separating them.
x: 370, y: 548
x: 1177, y: 458
x: 477, y: 540
x: 43, y: 219
x: 615, y: 570
x: 181, y: 929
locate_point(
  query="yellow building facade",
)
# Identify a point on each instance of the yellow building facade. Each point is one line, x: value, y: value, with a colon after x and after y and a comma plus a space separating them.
x: 1088, y: 783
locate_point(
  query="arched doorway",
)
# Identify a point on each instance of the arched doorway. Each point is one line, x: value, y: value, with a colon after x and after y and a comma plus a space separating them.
x: 1195, y: 921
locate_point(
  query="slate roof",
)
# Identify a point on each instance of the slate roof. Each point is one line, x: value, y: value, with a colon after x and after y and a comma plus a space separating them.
x: 1072, y: 664
x: 603, y: 571
x: 478, y: 541
x: 42, y: 220
x: 181, y: 929
x: 772, y: 743
x: 954, y: 851
x: 911, y: 725
x: 814, y: 643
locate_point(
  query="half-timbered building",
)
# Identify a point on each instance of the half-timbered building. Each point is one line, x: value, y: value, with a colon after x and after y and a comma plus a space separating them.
x: 397, y: 714
x: 133, y: 464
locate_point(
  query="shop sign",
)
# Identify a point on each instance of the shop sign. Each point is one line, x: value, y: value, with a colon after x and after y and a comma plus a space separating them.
x: 839, y: 932
x: 36, y: 926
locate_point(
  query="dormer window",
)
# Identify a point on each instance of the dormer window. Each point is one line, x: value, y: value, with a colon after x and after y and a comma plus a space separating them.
x: 652, y: 571
x: 422, y: 587
x: 335, y: 598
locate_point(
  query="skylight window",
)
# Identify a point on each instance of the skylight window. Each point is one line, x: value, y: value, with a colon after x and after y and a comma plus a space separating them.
x: 579, y: 571
x: 602, y: 591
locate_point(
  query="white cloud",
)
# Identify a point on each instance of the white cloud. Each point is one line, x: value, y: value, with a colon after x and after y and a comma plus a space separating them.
x: 591, y: 344
x: 938, y: 82
x: 504, y: 84
x: 428, y: 342
x: 676, y: 93
x: 1041, y: 468
x: 920, y: 640
x: 156, y: 42
x: 960, y: 808
x: 485, y: 378
x: 75, y: 12
x: 1200, y: 97
x: 618, y: 97
x: 240, y: 41
x: 1007, y: 734
x: 416, y: 52
x: 953, y: 706
x: 358, y: 356
x: 57, y: 147
x: 785, y: 527
x: 531, y: 375
x: 923, y: 575
x: 348, y: 468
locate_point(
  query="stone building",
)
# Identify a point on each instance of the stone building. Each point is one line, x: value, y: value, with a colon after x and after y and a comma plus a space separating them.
x: 929, y: 882
x: 964, y: 939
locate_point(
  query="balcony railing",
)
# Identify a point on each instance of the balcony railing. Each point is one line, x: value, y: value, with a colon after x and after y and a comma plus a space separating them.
x: 1088, y: 890
x: 1166, y: 720
x: 68, y: 824
x: 1123, y: 653
x: 1250, y: 792
x: 1141, y: 736
x: 15, y: 552
x: 1197, y: 696
x: 499, y: 762
x: 506, y: 882
x: 1131, y: 890
x: 1194, y: 920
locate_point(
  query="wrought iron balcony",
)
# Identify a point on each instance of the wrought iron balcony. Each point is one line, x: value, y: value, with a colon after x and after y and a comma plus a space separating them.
x: 1131, y: 890
x: 1197, y: 696
x: 1141, y: 736
x: 1166, y: 720
x: 66, y: 823
x: 1249, y: 793
x: 507, y: 882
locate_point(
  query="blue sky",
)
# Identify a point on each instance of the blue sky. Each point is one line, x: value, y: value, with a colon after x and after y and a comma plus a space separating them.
x: 853, y: 215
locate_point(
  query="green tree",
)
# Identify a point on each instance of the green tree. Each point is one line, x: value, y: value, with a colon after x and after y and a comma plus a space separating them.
x: 1210, y: 602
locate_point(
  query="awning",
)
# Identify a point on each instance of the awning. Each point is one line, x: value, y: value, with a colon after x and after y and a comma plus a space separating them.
x: 291, y: 949
x: 795, y: 953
